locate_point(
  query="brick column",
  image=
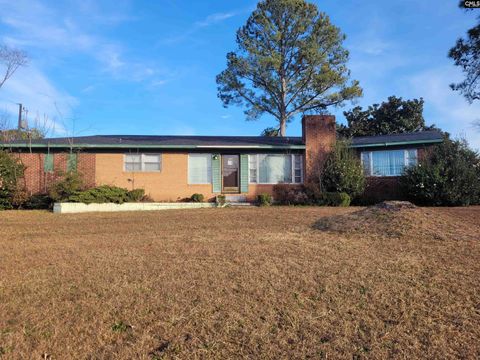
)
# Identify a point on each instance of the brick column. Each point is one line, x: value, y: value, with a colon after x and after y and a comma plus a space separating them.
x: 319, y: 136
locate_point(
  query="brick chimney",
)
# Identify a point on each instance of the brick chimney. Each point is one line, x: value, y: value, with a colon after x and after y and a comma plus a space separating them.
x: 319, y: 135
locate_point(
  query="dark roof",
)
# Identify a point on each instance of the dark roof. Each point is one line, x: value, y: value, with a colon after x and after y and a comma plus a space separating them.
x: 192, y: 142
x: 398, y: 139
x: 114, y: 141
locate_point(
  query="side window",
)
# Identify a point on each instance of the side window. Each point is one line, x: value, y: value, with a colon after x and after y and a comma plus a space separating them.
x: 366, y: 163
x: 298, y: 168
x: 142, y: 162
x: 200, y: 168
x: 411, y: 157
x: 151, y: 162
x: 252, y: 165
x: 388, y: 162
x: 133, y: 162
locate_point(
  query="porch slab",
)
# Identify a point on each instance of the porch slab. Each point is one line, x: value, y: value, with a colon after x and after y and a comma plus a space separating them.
x: 235, y: 199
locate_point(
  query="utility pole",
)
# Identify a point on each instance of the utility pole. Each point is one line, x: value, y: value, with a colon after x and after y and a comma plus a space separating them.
x: 20, y: 110
x: 22, y: 120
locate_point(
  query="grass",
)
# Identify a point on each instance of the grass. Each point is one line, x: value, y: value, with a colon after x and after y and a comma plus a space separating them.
x: 278, y: 282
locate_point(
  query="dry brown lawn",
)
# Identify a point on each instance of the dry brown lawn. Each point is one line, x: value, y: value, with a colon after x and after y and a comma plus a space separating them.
x: 264, y: 283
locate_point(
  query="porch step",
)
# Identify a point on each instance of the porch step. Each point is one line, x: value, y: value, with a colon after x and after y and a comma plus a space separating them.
x: 236, y: 199
x: 239, y: 204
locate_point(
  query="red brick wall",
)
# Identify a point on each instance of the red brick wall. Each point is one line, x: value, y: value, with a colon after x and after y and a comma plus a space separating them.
x: 319, y: 136
x: 34, y: 177
x: 36, y: 180
x: 380, y: 188
x: 86, y: 166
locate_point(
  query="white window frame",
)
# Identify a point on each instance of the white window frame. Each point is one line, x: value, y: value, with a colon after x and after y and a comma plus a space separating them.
x: 142, y: 162
x: 209, y: 173
x: 293, y: 169
x: 254, y: 161
x: 370, y: 160
x: 257, y: 166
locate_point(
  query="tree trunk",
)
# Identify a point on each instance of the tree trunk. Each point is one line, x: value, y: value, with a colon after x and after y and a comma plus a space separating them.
x: 283, y: 127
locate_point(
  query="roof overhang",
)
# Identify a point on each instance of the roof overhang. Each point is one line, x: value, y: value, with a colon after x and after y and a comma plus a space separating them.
x: 149, y: 146
x: 396, y: 143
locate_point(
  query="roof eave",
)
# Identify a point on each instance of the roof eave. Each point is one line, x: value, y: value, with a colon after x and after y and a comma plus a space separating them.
x: 144, y: 146
x: 386, y: 144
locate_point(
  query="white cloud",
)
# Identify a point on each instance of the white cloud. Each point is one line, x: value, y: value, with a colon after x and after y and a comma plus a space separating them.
x: 159, y: 82
x: 88, y: 89
x: 34, y: 25
x: 444, y: 107
x: 41, y: 98
x: 215, y: 18
x: 211, y: 19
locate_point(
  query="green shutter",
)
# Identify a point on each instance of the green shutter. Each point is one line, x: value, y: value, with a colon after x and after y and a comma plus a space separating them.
x: 72, y: 162
x: 216, y: 174
x: 48, y: 163
x: 244, y: 173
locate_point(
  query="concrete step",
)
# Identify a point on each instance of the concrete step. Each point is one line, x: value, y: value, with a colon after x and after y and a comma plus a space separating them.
x: 231, y: 199
x: 239, y: 204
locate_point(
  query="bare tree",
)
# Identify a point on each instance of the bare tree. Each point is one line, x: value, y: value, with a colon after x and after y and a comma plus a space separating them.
x: 40, y: 127
x: 5, y: 126
x: 10, y: 59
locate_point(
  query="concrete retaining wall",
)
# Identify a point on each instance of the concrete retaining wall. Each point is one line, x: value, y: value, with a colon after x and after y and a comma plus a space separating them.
x: 71, y: 208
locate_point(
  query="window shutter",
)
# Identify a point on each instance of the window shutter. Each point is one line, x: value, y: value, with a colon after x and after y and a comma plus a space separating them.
x: 48, y: 163
x: 244, y: 173
x: 216, y: 174
x: 72, y: 162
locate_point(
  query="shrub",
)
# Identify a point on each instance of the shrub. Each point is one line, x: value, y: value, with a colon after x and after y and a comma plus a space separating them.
x: 70, y: 184
x: 220, y: 199
x: 337, y: 199
x: 101, y: 194
x: 19, y: 197
x: 314, y: 194
x: 197, y: 198
x: 38, y: 202
x: 343, y: 171
x: 11, y: 172
x: 450, y: 176
x: 290, y: 195
x: 264, y: 199
x: 136, y: 195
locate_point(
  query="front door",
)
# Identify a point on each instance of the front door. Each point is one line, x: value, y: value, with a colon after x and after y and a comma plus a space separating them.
x: 230, y: 173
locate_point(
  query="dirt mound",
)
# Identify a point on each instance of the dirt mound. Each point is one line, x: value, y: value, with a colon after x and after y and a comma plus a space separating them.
x: 390, y: 219
x: 395, y: 205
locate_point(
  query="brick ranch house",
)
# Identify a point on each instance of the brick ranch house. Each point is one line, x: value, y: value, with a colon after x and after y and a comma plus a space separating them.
x: 170, y: 168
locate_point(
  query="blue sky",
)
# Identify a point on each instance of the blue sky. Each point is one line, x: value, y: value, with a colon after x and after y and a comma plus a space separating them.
x: 149, y: 67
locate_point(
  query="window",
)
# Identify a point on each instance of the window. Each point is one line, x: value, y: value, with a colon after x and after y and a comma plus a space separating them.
x: 389, y: 162
x: 252, y: 166
x: 143, y: 162
x: 275, y: 168
x: 411, y: 157
x: 298, y: 169
x: 200, y: 168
